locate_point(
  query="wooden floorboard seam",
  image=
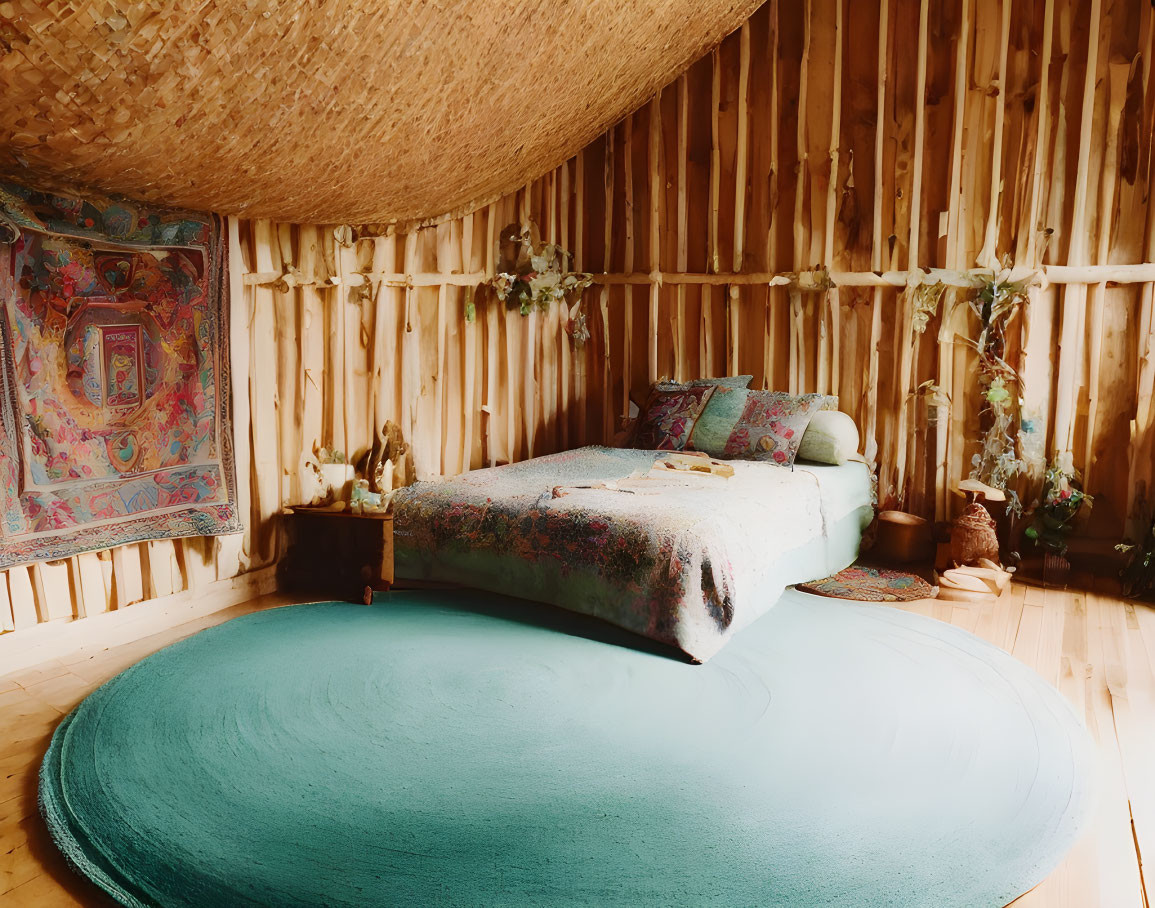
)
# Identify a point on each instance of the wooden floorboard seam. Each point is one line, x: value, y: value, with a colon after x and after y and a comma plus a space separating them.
x: 1139, y: 858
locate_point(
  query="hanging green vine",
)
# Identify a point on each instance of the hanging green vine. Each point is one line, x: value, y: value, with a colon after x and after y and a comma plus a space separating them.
x: 997, y: 463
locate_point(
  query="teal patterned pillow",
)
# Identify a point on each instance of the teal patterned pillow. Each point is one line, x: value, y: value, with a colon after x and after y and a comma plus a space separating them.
x: 713, y: 428
x: 755, y: 425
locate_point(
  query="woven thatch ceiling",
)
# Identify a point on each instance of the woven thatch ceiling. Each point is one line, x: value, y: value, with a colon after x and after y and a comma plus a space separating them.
x: 329, y: 110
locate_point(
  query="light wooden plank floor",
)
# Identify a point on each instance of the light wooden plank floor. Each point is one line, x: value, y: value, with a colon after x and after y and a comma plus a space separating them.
x: 1099, y: 651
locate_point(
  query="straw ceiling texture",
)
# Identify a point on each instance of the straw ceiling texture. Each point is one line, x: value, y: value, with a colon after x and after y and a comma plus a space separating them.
x: 354, y: 111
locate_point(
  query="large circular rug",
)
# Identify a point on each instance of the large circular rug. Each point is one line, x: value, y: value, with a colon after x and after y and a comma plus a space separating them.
x: 459, y: 749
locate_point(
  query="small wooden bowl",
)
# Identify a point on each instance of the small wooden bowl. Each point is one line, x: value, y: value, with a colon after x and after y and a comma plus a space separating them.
x: 900, y: 538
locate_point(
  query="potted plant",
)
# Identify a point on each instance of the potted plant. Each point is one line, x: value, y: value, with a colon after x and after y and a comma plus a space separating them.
x: 1062, y: 500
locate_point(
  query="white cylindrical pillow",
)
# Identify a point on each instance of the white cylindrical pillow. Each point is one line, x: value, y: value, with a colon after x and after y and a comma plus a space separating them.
x: 831, y: 437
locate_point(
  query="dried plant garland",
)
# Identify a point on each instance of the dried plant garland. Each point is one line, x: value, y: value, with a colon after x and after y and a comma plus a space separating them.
x: 533, y: 276
x: 926, y: 299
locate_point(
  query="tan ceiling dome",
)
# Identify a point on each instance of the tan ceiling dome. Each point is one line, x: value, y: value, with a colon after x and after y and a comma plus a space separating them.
x: 329, y: 110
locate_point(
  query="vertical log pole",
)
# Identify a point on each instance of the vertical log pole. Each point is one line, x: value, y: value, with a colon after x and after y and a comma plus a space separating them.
x: 1043, y: 106
x: 954, y: 243
x: 706, y: 344
x: 988, y: 255
x: 1074, y: 316
x: 797, y: 337
x: 1108, y: 180
x: 450, y: 249
x: 773, y: 342
x: 561, y: 339
x: 346, y: 266
x: 905, y: 447
x: 1034, y: 344
x: 829, y: 351
x: 266, y: 468
x: 604, y: 292
x: 493, y: 439
x: 471, y: 264
x: 870, y: 422
x: 741, y: 167
x: 683, y: 262
x: 378, y: 315
x: 410, y: 350
x: 531, y: 362
x: 655, y: 182
x: 1139, y: 452
x: 548, y: 327
x: 239, y: 349
x: 628, y: 290
x: 311, y: 375
x: 388, y: 315
x: 582, y: 355
x: 288, y: 393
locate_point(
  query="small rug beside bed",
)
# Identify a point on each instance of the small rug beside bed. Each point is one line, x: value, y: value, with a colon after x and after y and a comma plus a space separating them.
x: 466, y: 749
x: 863, y: 583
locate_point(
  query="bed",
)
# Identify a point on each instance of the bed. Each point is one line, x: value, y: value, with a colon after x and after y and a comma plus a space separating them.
x: 687, y: 559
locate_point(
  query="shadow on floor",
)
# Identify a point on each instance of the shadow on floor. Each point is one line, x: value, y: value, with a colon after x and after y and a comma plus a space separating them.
x: 44, y: 850
x: 537, y: 614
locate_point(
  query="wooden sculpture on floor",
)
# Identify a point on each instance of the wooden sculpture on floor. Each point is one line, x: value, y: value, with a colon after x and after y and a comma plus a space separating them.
x: 977, y: 575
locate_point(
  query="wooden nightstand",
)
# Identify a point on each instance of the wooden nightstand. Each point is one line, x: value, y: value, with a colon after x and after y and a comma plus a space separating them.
x: 339, y: 552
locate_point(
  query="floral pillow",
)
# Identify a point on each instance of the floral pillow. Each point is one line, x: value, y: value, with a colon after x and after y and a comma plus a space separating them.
x: 770, y: 426
x: 668, y: 418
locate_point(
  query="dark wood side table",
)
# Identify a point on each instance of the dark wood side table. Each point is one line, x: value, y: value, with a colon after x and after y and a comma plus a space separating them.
x: 339, y: 551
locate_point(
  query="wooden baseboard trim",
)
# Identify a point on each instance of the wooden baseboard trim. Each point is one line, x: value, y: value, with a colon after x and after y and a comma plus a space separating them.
x: 20, y: 650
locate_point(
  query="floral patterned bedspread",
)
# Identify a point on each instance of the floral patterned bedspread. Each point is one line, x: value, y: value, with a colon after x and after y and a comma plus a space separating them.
x: 683, y: 559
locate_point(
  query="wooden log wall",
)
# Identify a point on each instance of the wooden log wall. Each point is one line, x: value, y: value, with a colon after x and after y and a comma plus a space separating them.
x: 782, y: 208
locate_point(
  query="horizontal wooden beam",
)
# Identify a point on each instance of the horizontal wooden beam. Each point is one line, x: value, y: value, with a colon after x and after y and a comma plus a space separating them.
x: 816, y: 279
x: 1099, y: 274
x: 358, y: 278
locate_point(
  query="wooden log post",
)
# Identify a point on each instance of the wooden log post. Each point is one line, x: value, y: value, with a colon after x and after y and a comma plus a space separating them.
x: 683, y: 246
x: 628, y: 290
x: 741, y: 189
x: 653, y: 159
x: 870, y: 422
x: 1074, y: 316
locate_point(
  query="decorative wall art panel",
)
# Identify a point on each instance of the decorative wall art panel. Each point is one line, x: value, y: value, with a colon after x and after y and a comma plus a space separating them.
x: 114, y: 424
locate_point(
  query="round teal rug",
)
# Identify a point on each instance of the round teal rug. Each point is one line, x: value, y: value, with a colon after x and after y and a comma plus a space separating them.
x: 460, y: 749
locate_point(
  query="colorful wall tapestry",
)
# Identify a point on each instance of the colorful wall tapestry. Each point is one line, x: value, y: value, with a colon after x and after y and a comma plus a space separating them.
x: 114, y: 424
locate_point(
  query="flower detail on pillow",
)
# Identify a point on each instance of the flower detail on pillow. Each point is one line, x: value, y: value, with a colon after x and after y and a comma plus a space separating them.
x: 668, y: 418
x: 771, y: 426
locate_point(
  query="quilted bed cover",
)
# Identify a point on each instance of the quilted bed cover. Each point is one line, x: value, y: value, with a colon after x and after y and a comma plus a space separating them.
x: 686, y: 559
